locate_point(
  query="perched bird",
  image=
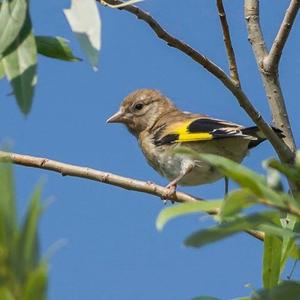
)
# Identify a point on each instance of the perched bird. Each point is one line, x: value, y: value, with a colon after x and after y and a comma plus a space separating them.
x: 162, y: 129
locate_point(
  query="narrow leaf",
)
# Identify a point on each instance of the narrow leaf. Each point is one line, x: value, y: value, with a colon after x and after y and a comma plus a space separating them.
x: 36, y: 284
x: 244, y: 177
x: 290, y: 172
x: 19, y: 63
x: 186, y: 208
x: 84, y: 19
x: 12, y: 18
x: 236, y: 201
x: 295, y: 251
x: 277, y: 231
x: 28, y: 242
x: 2, y: 74
x: 226, y: 229
x: 271, y: 260
x: 288, y: 243
x: 55, y: 47
x: 8, y: 218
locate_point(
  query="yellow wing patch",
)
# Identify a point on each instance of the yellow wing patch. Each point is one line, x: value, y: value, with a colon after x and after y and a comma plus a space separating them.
x: 193, y: 137
x: 185, y: 136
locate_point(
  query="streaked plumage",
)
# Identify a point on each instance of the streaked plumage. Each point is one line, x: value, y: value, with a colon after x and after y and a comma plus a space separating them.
x: 161, y: 129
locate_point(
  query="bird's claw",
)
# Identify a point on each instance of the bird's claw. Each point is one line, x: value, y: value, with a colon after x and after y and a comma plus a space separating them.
x: 170, y: 193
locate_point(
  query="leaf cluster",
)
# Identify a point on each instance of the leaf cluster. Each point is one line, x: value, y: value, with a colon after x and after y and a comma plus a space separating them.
x: 19, y: 48
x: 274, y: 212
x: 23, y: 275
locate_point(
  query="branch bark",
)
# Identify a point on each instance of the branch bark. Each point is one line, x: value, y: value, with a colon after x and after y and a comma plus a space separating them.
x: 233, y: 69
x: 270, y: 74
x: 104, y: 177
x: 92, y: 174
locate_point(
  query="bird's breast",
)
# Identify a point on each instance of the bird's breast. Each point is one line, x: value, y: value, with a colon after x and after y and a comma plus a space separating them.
x: 169, y: 162
x: 165, y: 160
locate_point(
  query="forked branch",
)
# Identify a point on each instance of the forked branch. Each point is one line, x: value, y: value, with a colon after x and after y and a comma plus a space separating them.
x: 270, y: 74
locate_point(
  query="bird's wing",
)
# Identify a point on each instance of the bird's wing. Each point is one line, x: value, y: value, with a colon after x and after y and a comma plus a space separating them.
x: 197, y: 129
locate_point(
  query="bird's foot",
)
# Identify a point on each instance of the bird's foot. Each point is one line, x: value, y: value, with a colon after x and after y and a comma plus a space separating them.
x: 171, y: 187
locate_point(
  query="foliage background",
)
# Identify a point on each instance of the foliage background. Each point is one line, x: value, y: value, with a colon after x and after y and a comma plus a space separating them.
x: 113, y: 248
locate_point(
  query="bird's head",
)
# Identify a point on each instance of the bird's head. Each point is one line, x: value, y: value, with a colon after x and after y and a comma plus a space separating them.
x: 141, y: 109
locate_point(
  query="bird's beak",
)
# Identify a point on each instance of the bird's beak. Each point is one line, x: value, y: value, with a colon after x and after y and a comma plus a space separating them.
x: 118, y: 117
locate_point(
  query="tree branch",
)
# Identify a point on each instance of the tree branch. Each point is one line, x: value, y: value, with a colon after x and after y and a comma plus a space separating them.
x: 282, y: 150
x: 233, y: 69
x: 104, y: 177
x: 270, y: 80
x: 271, y: 62
x: 92, y: 174
x: 174, y: 42
x: 255, y: 35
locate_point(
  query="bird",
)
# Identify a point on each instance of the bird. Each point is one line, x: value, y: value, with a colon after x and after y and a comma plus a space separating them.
x: 162, y: 130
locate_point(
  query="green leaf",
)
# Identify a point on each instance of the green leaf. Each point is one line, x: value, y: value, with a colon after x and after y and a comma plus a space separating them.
x: 186, y: 208
x: 12, y: 18
x: 8, y: 218
x: 287, y: 290
x: 244, y: 177
x: 290, y: 248
x: 278, y: 231
x: 271, y: 260
x: 236, y: 201
x: 28, y: 251
x: 36, y: 284
x: 2, y: 74
x: 84, y: 19
x: 288, y: 243
x: 294, y: 251
x: 290, y: 172
x: 226, y: 229
x: 19, y: 63
x: 5, y: 294
x: 55, y: 47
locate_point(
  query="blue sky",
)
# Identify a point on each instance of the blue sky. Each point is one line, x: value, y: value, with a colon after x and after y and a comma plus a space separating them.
x: 113, y: 250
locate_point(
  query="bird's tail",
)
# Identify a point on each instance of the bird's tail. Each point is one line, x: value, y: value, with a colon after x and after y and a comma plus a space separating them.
x: 259, y: 135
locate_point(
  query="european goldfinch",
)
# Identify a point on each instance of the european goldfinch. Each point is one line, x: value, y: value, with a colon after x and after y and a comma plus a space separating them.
x: 162, y: 129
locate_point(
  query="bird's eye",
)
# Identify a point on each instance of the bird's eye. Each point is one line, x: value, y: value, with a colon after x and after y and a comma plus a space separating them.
x: 138, y: 106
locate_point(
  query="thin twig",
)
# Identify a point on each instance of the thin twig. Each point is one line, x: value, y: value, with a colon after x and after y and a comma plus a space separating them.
x: 104, y: 177
x: 284, y: 153
x: 286, y: 209
x: 272, y: 60
x: 270, y: 80
x: 233, y: 69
